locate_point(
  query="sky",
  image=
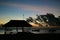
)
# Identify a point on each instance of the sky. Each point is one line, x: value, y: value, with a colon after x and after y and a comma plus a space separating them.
x: 14, y: 9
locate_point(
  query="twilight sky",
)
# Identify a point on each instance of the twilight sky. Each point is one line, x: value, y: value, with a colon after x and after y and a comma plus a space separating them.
x: 14, y: 9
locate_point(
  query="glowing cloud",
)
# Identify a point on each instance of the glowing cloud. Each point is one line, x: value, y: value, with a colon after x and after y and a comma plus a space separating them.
x: 39, y: 9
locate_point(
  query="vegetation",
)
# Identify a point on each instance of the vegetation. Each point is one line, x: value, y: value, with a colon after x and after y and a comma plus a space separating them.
x: 1, y: 25
x: 45, y: 20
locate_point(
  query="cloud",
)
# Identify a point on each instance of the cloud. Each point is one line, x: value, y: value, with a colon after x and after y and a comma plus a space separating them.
x: 39, y: 9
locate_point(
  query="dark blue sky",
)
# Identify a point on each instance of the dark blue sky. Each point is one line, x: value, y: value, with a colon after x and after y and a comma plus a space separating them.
x: 14, y: 9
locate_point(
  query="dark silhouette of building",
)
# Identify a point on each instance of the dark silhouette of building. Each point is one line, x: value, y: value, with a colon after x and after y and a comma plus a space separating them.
x: 17, y: 23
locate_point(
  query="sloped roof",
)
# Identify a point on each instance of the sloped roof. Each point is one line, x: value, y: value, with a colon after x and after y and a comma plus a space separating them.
x: 17, y: 23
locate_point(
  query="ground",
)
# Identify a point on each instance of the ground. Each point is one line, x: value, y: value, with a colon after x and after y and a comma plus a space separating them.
x: 27, y: 36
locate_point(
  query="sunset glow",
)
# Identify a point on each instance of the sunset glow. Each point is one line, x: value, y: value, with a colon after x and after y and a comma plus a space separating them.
x: 14, y: 10
x: 34, y: 25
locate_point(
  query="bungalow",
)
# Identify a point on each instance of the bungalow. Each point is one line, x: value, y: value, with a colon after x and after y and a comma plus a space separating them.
x: 16, y: 24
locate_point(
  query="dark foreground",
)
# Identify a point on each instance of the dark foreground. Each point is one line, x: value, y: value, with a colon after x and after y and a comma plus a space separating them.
x: 30, y: 36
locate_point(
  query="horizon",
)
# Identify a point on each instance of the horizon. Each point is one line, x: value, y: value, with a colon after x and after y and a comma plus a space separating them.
x: 15, y: 9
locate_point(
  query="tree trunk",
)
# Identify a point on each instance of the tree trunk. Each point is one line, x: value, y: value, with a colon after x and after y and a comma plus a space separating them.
x: 5, y: 30
x: 17, y: 29
x: 22, y: 29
